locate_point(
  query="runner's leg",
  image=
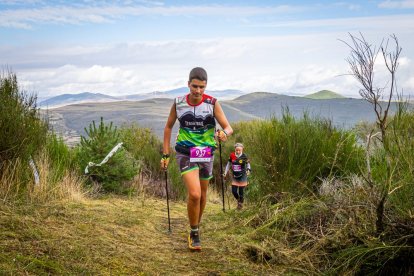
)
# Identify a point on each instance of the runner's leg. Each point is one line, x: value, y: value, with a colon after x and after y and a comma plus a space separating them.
x: 206, y: 173
x: 234, y: 191
x: 203, y: 198
x: 241, y: 194
x: 192, y: 182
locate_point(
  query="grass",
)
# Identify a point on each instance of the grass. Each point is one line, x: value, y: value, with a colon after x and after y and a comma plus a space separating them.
x: 117, y: 235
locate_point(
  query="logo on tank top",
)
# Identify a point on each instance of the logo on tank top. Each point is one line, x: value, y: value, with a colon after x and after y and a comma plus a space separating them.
x: 187, y: 123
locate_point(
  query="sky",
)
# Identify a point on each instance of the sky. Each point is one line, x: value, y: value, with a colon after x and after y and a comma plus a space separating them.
x: 138, y: 46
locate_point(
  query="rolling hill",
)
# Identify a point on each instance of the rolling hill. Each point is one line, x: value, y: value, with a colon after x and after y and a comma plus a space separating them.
x: 87, y: 97
x: 324, y: 95
x: 343, y: 112
x: 67, y: 99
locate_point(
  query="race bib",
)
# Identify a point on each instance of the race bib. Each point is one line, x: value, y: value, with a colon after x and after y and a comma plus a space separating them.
x: 200, y: 154
x: 237, y: 168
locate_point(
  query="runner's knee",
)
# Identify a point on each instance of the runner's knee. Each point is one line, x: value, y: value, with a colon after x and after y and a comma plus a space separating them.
x: 194, y: 195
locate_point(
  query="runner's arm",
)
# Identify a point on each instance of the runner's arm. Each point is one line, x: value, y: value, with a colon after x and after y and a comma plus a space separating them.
x: 168, y: 129
x: 167, y: 137
x: 222, y: 120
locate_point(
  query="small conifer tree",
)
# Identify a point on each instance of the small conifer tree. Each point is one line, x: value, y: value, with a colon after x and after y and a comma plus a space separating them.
x: 94, y: 148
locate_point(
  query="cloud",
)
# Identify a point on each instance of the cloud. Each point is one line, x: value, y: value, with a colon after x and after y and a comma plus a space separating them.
x: 409, y: 84
x: 293, y: 64
x: 407, y: 4
x: 349, y: 6
x: 80, y: 14
x: 121, y: 80
x: 312, y: 75
x: 389, y: 23
x: 21, y: 2
x: 404, y: 61
x: 96, y: 78
x: 283, y: 64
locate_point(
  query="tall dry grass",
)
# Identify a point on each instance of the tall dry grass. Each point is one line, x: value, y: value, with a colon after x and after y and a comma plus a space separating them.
x: 10, y: 180
x: 17, y: 183
x: 68, y: 187
x: 329, y: 227
x: 332, y: 233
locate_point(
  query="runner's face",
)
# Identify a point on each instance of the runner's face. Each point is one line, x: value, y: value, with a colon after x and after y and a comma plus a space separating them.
x: 238, y: 150
x: 197, y: 88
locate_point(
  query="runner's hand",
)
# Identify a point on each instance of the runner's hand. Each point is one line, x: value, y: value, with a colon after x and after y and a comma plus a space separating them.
x: 164, y: 162
x: 221, y: 135
x: 248, y: 172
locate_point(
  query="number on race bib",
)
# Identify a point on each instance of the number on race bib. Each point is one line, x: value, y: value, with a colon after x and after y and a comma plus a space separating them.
x: 200, y: 154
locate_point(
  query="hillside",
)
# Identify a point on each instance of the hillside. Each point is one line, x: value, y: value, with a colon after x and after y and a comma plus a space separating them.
x: 67, y: 99
x: 324, y: 95
x: 344, y: 112
x: 117, y: 236
x: 147, y: 113
x: 87, y: 97
x: 152, y: 113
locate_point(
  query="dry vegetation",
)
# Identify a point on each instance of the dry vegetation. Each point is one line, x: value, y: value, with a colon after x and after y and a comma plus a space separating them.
x: 114, y: 236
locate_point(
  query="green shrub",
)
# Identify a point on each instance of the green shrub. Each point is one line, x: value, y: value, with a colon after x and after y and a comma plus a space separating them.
x: 291, y: 155
x: 399, y: 157
x: 94, y: 148
x: 60, y: 156
x: 401, y: 147
x: 145, y: 146
x: 22, y: 131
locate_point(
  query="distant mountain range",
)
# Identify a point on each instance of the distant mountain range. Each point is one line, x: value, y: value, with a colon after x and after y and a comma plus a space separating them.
x: 71, y: 120
x: 88, y: 97
x: 85, y: 97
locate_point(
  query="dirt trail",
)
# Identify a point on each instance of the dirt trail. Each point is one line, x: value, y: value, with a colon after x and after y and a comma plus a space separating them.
x: 117, y: 236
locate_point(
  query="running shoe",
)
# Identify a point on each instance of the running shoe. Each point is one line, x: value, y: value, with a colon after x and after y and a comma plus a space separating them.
x: 194, y: 241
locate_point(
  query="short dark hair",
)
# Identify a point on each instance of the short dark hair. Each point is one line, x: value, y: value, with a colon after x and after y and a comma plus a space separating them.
x: 198, y: 73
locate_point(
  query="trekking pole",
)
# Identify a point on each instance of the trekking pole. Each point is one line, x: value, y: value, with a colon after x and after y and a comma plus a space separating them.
x: 221, y: 175
x: 168, y: 202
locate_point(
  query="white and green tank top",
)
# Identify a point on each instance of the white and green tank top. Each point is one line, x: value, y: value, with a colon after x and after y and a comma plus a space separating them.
x: 197, y: 123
